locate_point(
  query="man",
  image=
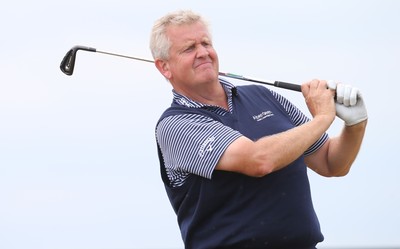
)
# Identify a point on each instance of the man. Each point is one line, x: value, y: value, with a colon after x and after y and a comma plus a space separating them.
x: 234, y: 159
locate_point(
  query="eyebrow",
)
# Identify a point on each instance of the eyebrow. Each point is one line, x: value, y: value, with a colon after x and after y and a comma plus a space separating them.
x: 191, y: 42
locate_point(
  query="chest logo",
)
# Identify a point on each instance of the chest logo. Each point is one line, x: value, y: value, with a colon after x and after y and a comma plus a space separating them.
x: 263, y: 115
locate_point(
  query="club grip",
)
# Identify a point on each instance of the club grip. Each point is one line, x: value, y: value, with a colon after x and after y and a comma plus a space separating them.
x: 289, y: 86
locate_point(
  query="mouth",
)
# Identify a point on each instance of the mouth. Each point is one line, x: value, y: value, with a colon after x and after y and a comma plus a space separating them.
x: 203, y: 64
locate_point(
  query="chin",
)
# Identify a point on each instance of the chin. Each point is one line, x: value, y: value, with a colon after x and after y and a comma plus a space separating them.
x: 211, y: 76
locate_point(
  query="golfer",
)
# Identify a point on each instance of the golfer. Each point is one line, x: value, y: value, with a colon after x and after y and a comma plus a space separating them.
x: 234, y: 159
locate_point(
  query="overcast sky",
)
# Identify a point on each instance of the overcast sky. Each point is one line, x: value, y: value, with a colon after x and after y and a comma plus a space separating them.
x: 78, y: 162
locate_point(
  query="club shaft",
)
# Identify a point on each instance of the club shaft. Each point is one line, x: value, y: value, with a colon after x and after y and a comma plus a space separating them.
x: 125, y: 56
x: 279, y: 84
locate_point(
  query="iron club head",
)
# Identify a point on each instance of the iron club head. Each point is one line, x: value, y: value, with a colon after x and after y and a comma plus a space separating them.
x: 68, y: 62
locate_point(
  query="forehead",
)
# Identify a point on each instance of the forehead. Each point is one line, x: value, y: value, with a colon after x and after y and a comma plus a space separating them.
x: 188, y: 32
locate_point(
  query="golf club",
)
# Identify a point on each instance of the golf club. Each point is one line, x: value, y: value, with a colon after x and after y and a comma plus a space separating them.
x: 68, y: 63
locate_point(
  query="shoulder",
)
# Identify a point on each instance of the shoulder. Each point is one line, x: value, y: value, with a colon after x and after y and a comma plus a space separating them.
x: 180, y: 124
x: 255, y: 90
x: 183, y: 119
x: 186, y: 112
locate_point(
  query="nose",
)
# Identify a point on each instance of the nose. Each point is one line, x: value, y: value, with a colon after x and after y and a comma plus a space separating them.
x: 202, y: 51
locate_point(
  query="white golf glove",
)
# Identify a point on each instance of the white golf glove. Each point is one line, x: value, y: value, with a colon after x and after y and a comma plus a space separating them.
x: 350, y: 105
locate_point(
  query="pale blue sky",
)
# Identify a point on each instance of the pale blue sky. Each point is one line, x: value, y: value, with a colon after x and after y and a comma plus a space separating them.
x: 78, y: 163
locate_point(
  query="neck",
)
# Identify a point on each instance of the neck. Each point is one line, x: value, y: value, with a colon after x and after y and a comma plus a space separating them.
x: 210, y: 95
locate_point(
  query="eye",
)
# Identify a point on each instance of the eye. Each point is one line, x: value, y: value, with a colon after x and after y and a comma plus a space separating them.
x: 206, y: 44
x: 189, y: 49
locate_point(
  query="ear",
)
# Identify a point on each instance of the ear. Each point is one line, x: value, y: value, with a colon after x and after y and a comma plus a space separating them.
x: 163, y: 67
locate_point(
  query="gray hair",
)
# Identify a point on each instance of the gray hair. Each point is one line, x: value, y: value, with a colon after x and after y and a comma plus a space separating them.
x: 159, y: 42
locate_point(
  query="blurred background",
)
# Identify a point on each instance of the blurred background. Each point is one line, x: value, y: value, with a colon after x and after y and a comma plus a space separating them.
x: 78, y: 161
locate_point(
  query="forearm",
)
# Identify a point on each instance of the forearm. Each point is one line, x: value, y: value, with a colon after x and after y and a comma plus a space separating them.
x: 344, y: 148
x: 281, y: 149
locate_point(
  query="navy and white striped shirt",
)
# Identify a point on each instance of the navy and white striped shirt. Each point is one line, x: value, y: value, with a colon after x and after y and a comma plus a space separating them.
x: 185, y: 138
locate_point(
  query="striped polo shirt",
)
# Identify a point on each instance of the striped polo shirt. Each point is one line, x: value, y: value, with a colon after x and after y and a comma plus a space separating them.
x: 184, y: 139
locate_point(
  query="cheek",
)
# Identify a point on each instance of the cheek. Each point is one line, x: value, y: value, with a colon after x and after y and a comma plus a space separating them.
x: 213, y: 55
x: 178, y: 68
x: 215, y: 59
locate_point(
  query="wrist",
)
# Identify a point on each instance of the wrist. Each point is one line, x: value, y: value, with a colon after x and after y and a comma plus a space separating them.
x: 360, y: 125
x: 324, y: 121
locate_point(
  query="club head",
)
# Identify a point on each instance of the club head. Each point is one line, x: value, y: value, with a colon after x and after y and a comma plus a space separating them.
x: 68, y: 62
